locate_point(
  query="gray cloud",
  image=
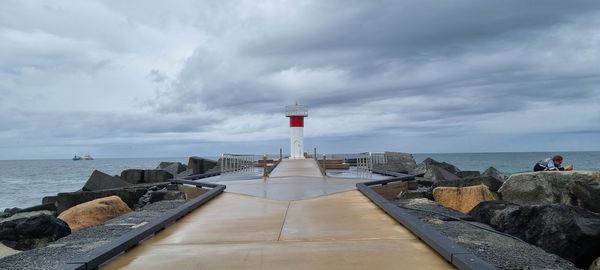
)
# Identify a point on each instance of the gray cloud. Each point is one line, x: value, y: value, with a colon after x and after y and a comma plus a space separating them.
x: 108, y: 73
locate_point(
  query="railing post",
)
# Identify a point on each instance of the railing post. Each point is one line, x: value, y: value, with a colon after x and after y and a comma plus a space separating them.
x: 324, y: 165
x: 280, y: 154
x: 265, y: 172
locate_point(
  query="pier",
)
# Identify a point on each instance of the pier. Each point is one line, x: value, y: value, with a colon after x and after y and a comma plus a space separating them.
x: 295, y: 219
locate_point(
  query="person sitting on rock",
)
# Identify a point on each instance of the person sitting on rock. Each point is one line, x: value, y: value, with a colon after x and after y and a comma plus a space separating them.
x: 551, y: 164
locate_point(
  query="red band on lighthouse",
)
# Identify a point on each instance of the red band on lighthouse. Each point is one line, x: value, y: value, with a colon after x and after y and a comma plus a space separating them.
x: 296, y: 121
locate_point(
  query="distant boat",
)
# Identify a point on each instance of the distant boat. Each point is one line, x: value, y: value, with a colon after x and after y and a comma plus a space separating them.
x: 85, y: 157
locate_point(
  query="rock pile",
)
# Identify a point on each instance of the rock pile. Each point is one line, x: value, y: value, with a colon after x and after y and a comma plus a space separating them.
x: 103, y: 197
x: 570, y: 232
x: 556, y: 211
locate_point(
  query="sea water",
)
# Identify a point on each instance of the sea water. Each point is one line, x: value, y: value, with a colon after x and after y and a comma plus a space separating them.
x: 23, y: 183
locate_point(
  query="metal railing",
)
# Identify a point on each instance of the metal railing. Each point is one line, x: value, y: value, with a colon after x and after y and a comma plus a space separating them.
x: 239, y: 163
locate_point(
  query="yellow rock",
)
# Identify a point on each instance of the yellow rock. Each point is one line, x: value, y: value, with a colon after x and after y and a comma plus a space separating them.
x: 463, y: 199
x: 93, y: 212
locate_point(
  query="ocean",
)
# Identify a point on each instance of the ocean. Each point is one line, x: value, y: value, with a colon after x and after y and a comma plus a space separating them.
x: 24, y: 182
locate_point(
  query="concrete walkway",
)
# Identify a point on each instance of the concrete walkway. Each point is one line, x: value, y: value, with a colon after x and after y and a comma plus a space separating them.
x: 298, y: 179
x: 235, y: 231
x: 297, y: 167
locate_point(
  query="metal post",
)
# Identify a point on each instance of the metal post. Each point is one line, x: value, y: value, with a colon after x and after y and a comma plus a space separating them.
x: 316, y: 154
x: 280, y: 154
x: 265, y: 172
x: 324, y: 165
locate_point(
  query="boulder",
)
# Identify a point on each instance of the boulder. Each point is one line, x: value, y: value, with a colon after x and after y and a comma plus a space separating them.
x: 492, y: 183
x: 570, y: 232
x: 32, y: 232
x: 94, y: 212
x: 429, y: 162
x: 493, y: 172
x: 49, y: 200
x: 580, y: 189
x: 133, y: 176
x: 99, y: 181
x: 485, y: 211
x: 595, y: 265
x: 582, y: 195
x: 462, y: 199
x: 391, y: 190
x: 67, y: 200
x: 21, y: 215
x: 156, y: 176
x: 173, y: 168
x: 199, y: 165
x: 436, y: 173
x: 468, y: 174
x: 6, y: 251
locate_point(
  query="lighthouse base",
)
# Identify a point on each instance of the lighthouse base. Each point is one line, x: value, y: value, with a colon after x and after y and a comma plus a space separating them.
x: 297, y: 143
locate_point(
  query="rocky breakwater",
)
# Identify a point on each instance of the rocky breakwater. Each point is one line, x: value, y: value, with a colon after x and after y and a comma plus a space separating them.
x: 442, y: 194
x: 102, y: 198
x: 557, y: 211
x: 440, y: 181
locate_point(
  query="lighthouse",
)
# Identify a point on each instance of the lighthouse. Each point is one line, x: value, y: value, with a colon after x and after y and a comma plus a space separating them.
x: 296, y: 113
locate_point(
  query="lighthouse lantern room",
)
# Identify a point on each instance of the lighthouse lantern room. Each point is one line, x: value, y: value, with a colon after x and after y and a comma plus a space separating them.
x: 296, y: 113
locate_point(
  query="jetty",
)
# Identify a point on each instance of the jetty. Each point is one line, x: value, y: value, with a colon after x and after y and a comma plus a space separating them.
x: 295, y: 219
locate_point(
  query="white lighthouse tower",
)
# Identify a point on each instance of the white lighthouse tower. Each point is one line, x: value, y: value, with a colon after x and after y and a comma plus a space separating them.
x: 296, y: 113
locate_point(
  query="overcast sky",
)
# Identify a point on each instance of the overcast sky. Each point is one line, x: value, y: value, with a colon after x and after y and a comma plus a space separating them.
x: 179, y: 78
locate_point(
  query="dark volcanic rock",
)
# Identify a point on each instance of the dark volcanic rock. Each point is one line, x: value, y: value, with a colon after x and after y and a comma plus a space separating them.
x: 439, y: 174
x: 10, y: 211
x: 580, y: 189
x: 99, y: 181
x: 492, y: 183
x: 493, y: 172
x: 582, y: 195
x: 173, y: 168
x: 155, y: 176
x: 199, y: 165
x: 33, y: 232
x: 429, y: 162
x: 468, y: 174
x: 485, y: 211
x: 133, y: 176
x: 570, y: 232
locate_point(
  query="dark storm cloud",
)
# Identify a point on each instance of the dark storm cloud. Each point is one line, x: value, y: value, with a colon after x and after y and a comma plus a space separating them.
x: 395, y: 49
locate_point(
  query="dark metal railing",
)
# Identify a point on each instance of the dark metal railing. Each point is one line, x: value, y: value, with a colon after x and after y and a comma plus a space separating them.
x: 96, y: 257
x: 447, y: 248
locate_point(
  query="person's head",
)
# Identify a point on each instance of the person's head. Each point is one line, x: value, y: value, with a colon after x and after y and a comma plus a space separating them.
x: 557, y: 159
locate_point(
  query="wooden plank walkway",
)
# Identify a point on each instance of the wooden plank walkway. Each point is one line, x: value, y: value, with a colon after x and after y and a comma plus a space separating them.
x: 236, y: 231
